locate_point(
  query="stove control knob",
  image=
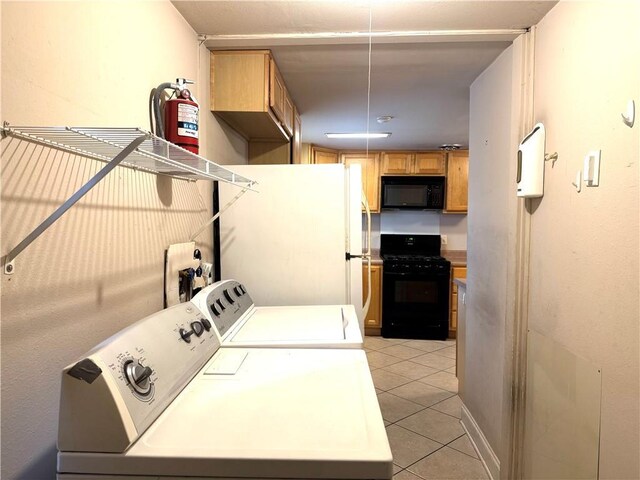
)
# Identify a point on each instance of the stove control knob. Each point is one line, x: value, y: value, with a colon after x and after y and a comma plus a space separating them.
x: 197, y: 328
x: 206, y: 324
x: 227, y: 295
x: 138, y: 376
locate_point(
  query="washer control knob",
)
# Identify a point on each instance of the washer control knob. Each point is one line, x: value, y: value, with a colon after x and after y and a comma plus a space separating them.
x: 213, y: 308
x: 197, y: 328
x: 227, y: 295
x: 237, y: 291
x: 206, y: 324
x: 186, y: 335
x: 222, y: 307
x: 138, y: 376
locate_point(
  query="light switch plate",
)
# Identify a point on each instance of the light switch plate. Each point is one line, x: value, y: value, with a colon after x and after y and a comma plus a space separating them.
x: 591, y: 172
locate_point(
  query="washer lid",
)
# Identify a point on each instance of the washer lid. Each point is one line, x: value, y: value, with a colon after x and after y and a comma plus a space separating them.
x: 324, y: 323
x: 285, y: 413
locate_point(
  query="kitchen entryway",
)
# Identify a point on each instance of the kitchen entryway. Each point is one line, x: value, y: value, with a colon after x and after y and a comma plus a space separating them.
x: 417, y: 391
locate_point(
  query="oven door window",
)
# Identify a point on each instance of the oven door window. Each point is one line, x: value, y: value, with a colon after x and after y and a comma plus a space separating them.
x: 425, y: 292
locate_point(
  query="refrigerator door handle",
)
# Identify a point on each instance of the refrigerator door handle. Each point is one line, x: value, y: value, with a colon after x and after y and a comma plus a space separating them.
x: 367, y: 254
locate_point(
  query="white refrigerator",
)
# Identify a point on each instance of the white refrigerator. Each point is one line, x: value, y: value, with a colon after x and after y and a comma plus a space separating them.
x: 298, y: 240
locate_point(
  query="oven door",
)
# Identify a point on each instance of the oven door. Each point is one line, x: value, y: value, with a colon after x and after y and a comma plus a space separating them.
x: 415, y: 305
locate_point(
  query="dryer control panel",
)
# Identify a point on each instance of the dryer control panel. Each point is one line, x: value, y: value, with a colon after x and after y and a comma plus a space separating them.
x: 224, y: 303
x: 112, y: 394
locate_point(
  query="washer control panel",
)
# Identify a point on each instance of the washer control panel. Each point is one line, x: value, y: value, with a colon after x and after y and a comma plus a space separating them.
x: 142, y: 367
x: 224, y: 303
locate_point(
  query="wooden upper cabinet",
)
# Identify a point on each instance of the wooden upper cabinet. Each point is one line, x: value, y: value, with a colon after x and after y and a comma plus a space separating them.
x: 296, y: 141
x: 289, y: 116
x: 277, y: 91
x: 321, y: 155
x: 397, y: 163
x: 410, y: 163
x: 249, y: 93
x: 457, y: 181
x: 429, y: 163
x: 370, y: 175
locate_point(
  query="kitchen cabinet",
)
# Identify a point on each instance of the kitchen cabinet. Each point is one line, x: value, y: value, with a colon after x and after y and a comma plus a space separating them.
x: 373, y: 320
x: 296, y: 141
x: 429, y: 163
x: 456, y: 272
x: 457, y: 182
x: 413, y: 163
x: 249, y: 93
x: 269, y: 152
x: 370, y: 175
x: 321, y: 155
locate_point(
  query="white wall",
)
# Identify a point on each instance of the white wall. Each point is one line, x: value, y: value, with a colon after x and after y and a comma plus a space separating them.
x: 426, y: 223
x: 491, y: 251
x: 100, y: 267
x: 584, y: 287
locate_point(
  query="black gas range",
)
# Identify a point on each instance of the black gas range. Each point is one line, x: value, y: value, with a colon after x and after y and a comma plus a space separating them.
x: 415, y: 287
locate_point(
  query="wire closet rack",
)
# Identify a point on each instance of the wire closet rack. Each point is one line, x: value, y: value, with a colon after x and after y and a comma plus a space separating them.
x: 132, y: 147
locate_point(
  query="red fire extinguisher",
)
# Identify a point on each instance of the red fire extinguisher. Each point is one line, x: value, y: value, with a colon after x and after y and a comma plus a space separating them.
x: 181, y: 121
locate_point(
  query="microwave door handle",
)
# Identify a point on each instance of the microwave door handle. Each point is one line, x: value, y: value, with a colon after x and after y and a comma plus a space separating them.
x: 367, y: 254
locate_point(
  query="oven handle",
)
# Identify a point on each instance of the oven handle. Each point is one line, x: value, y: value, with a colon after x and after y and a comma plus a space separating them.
x: 423, y: 275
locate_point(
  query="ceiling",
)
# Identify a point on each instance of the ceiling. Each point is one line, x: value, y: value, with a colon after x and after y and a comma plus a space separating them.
x: 322, y: 51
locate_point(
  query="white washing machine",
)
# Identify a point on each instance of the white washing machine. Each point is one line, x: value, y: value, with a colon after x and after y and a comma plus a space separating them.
x: 308, y: 326
x: 152, y: 402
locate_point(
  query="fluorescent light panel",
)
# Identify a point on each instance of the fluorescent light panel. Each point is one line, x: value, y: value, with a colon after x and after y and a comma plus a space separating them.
x: 358, y: 135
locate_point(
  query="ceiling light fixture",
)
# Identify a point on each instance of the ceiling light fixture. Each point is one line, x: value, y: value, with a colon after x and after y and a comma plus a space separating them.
x: 358, y: 135
x: 384, y: 118
x: 450, y: 146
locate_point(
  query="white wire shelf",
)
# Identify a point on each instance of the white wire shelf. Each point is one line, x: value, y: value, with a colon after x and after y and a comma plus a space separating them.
x: 131, y: 147
x: 154, y: 154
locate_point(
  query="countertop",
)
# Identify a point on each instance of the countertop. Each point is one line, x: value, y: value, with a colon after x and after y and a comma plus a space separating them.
x: 458, y: 258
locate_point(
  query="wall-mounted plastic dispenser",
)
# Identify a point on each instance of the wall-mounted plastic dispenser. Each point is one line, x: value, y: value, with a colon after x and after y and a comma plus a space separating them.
x: 531, y: 156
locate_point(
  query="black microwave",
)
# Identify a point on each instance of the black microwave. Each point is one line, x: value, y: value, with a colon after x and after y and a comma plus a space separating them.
x: 417, y: 193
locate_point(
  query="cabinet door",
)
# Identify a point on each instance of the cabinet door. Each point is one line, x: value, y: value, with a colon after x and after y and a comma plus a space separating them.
x: 370, y: 175
x: 324, y: 155
x: 429, y: 163
x: 276, y: 91
x: 396, y: 163
x: 457, y: 181
x: 288, y: 113
x: 296, y: 142
x: 374, y: 316
x: 456, y: 272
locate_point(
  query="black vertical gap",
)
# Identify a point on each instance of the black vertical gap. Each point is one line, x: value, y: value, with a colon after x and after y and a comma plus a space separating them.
x: 217, y: 275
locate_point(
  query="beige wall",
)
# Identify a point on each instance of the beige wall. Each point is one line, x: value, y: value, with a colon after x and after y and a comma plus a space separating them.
x: 494, y: 126
x: 584, y: 246
x: 101, y: 266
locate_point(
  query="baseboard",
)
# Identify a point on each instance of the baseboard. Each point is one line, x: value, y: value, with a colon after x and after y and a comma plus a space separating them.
x: 487, y: 455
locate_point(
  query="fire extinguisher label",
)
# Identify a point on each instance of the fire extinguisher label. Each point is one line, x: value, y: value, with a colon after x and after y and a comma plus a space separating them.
x: 188, y: 120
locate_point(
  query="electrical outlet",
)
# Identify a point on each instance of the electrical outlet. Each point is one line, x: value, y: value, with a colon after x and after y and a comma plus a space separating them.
x: 443, y: 239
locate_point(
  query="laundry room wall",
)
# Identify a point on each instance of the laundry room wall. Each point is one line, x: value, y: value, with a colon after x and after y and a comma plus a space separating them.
x: 584, y: 269
x: 100, y: 267
x: 584, y: 247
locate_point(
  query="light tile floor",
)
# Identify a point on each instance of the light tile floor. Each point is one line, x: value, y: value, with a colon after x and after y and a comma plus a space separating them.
x: 417, y: 391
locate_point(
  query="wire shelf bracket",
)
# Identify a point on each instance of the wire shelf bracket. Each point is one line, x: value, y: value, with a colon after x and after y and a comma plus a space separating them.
x: 131, y: 147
